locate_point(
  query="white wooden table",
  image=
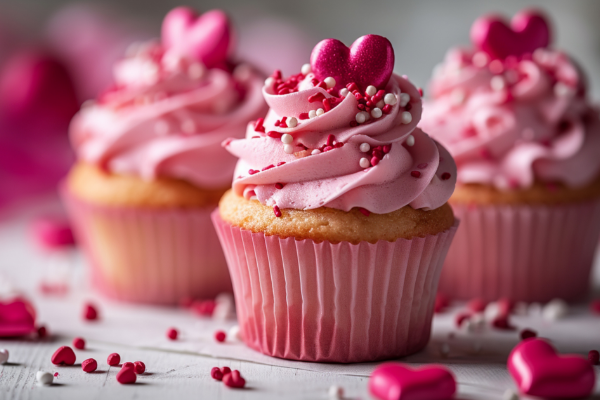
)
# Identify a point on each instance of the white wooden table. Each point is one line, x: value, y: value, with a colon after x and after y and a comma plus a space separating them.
x: 181, y: 369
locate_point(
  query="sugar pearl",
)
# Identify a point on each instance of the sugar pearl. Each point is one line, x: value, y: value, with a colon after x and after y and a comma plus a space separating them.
x: 286, y: 138
x: 234, y: 332
x: 330, y: 82
x: 336, y: 392
x: 555, y: 309
x: 315, y: 152
x: 390, y: 99
x: 306, y: 69
x: 344, y: 92
x: 292, y: 122
x: 371, y: 90
x: 497, y: 83
x: 44, y: 378
x: 320, y: 111
x: 377, y: 113
x: 364, y: 162
x: 410, y: 140
x: 196, y: 71
x: 367, y: 115
x: 269, y: 81
x: 312, y: 114
x: 406, y: 117
x: 288, y: 148
x: 562, y: 90
x: 360, y: 118
x: 404, y: 99
x: 364, y: 147
x: 380, y: 104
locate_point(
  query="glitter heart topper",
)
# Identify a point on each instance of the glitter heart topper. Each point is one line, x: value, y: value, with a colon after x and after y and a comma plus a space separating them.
x: 368, y: 61
x: 527, y: 32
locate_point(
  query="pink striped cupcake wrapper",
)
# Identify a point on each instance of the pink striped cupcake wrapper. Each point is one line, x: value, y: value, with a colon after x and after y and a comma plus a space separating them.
x: 524, y: 253
x: 157, y: 256
x: 302, y: 300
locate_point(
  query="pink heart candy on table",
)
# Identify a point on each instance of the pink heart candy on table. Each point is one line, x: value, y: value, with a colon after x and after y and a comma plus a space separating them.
x: 205, y: 38
x: 368, y: 61
x: 126, y: 374
x: 64, y: 355
x: 395, y: 381
x: 527, y: 32
x: 539, y: 371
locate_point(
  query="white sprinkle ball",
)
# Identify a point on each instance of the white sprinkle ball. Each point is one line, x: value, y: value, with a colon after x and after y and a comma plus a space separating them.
x: 330, y: 82
x: 367, y: 115
x: 371, y: 90
x: 380, y: 104
x: 344, y: 92
x: 320, y: 111
x: 312, y: 114
x: 555, y: 309
x: 286, y: 138
x: 224, y: 308
x: 510, y: 395
x: 492, y: 310
x: 3, y: 356
x: 364, y: 147
x: 390, y: 99
x: 480, y: 59
x: 306, y: 69
x: 404, y: 99
x: 562, y: 90
x: 269, y: 81
x: 410, y: 140
x: 406, y: 117
x: 292, y: 122
x: 336, y: 392
x: 377, y: 113
x: 44, y: 378
x: 364, y: 162
x: 234, y: 332
x: 196, y: 71
x: 360, y: 117
x: 497, y: 83
x: 288, y: 148
x: 315, y: 152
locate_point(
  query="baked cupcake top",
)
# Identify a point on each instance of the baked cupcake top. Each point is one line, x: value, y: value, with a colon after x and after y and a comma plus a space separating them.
x: 513, y: 111
x: 342, y: 134
x: 172, y: 104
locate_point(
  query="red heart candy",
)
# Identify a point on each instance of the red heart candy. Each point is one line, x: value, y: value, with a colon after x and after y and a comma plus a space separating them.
x: 205, y: 38
x: 539, y: 371
x: 63, y: 356
x: 394, y: 381
x: 89, y: 365
x: 369, y: 61
x: 234, y: 380
x: 528, y: 31
x: 127, y: 374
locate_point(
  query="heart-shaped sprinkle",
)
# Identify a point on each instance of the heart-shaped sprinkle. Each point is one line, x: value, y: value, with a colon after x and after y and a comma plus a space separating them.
x: 205, y: 38
x: 527, y: 32
x: 63, y: 356
x: 89, y: 365
x: 394, y: 381
x: 127, y: 374
x: 368, y: 61
x: 3, y: 356
x: 233, y: 379
x: 539, y: 371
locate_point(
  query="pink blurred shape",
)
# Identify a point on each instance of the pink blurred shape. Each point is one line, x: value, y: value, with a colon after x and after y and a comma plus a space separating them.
x: 17, y: 318
x: 52, y: 232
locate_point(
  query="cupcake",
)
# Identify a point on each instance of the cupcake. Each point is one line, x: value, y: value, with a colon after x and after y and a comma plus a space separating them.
x: 150, y: 166
x: 337, y: 225
x: 515, y: 115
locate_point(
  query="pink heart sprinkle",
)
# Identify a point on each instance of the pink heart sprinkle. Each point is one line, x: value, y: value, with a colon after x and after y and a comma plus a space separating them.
x: 394, y: 381
x: 205, y: 38
x: 539, y: 371
x: 64, y: 355
x: 127, y: 374
x: 368, y: 61
x: 527, y: 32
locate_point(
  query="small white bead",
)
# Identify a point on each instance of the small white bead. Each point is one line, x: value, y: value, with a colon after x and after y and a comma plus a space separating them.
x: 234, y: 333
x: 336, y: 392
x: 312, y: 114
x: 458, y: 96
x: 360, y: 117
x: 330, y: 82
x: 492, y: 311
x: 306, y: 69
x: 410, y: 140
x: 377, y: 113
x: 292, y: 122
x: 364, y: 162
x: 404, y: 99
x: 269, y: 81
x: 320, y: 111
x: 406, y: 117
x: 364, y: 147
x: 344, y: 92
x: 286, y: 138
x: 3, y: 356
x: 497, y: 83
x: 315, y: 152
x: 555, y: 309
x: 510, y: 395
x: 562, y: 90
x: 366, y: 114
x: 196, y: 71
x: 390, y: 99
x: 44, y: 378
x: 288, y: 148
x: 371, y: 90
x: 380, y: 104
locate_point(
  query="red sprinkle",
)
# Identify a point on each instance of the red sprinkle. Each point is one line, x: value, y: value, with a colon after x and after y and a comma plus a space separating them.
x: 505, y: 306
x: 477, y: 305
x: 220, y: 336
x: 268, y: 167
x: 364, y: 211
x: 303, y: 116
x: 441, y: 302
x: 595, y: 306
x: 172, y: 333
x: 330, y: 139
x: 279, y: 185
x: 421, y: 91
x: 234, y: 380
x: 42, y: 332
x: 415, y: 174
x: 326, y: 105
x: 594, y: 357
x: 374, y: 161
x: 89, y: 365
x: 445, y: 176
x: 353, y: 124
x: 387, y: 109
x: 89, y: 312
x: 322, y: 85
x: 253, y: 171
x: 460, y: 318
x: 277, y: 123
x: 284, y: 91
x: 327, y: 148
x: 387, y: 148
x: 274, y: 134
x: 140, y: 367
x: 204, y: 308
x: 79, y: 343
x: 258, y: 125
x: 502, y: 322
x: 216, y: 374
x: 225, y: 370
x: 351, y: 87
x: 528, y: 333
x: 64, y: 355
x: 277, y: 211
x: 316, y: 97
x: 113, y: 359
x: 276, y: 74
x: 338, y: 145
x: 282, y: 123
x: 280, y: 163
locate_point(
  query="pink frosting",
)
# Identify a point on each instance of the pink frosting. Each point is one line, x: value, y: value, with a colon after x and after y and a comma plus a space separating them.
x: 509, y: 123
x: 167, y: 116
x: 335, y: 178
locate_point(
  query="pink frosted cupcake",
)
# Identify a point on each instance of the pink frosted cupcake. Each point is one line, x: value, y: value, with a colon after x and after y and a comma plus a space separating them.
x: 151, y: 167
x: 515, y: 115
x: 337, y: 225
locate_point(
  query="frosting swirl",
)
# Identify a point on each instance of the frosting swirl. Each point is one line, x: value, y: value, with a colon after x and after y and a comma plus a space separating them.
x: 167, y: 116
x: 511, y: 122
x: 323, y: 166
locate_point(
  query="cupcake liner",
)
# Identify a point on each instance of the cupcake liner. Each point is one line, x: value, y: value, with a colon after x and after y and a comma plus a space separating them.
x: 524, y: 253
x: 158, y: 256
x: 302, y: 300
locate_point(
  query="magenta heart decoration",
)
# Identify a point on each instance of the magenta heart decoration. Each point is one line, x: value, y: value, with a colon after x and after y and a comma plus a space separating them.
x: 17, y: 318
x: 205, y: 38
x: 369, y: 61
x: 527, y: 32
x: 539, y: 371
x: 394, y: 381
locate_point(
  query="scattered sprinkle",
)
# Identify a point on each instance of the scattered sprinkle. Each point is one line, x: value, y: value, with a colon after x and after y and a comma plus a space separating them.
x: 528, y: 333
x: 410, y: 140
x: 89, y: 365
x: 220, y: 336
x: 113, y: 359
x: 415, y: 174
x: 277, y: 211
x: 172, y: 333
x: 139, y: 367
x: 90, y: 312
x: 79, y: 343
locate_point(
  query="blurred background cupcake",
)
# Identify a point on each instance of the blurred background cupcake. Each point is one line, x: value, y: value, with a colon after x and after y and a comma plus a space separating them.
x: 337, y: 224
x: 150, y: 167
x: 515, y: 114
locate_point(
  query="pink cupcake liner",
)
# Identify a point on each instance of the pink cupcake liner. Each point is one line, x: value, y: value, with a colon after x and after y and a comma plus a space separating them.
x: 302, y: 300
x: 524, y: 253
x: 150, y: 256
